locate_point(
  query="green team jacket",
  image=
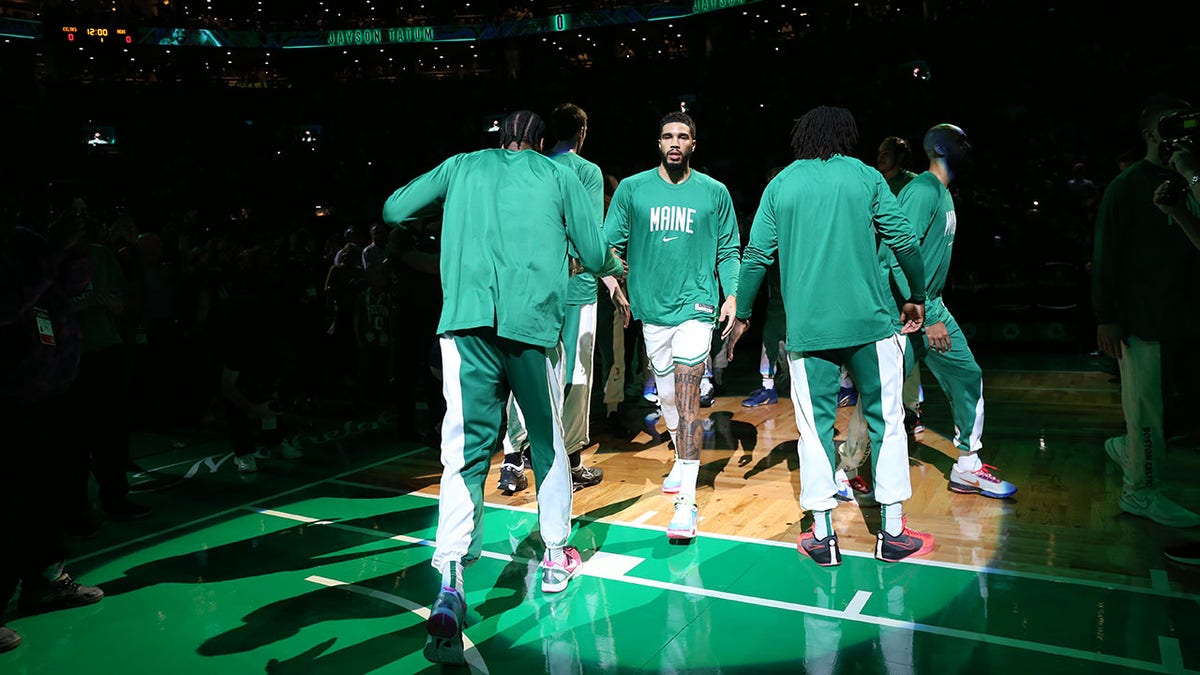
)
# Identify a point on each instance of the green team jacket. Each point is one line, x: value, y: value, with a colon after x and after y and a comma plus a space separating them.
x: 822, y: 217
x: 507, y: 220
x: 678, y: 239
x: 581, y: 289
x: 930, y: 210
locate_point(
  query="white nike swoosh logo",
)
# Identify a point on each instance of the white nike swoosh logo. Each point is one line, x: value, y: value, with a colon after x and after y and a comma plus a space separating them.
x: 666, y: 239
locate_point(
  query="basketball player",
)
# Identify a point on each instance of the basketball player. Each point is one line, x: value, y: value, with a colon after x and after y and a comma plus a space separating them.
x: 509, y: 217
x: 569, y: 124
x: 941, y: 345
x: 827, y: 206
x: 677, y: 229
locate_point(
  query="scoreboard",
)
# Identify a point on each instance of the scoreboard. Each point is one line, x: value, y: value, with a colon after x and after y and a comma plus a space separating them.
x: 97, y: 35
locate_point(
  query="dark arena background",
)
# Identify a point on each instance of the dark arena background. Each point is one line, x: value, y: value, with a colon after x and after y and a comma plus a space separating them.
x: 218, y: 148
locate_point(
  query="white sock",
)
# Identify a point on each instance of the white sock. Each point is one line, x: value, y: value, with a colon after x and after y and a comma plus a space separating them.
x: 968, y: 461
x: 768, y: 382
x: 452, y: 576
x: 893, y: 519
x: 840, y: 477
x: 705, y: 386
x: 555, y: 555
x: 822, y: 523
x: 689, y: 471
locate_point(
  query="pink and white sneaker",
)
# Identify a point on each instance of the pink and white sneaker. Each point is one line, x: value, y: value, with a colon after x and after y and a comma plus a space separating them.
x: 556, y: 575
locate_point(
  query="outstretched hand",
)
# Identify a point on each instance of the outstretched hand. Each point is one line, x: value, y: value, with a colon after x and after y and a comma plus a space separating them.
x: 735, y: 333
x: 728, y: 316
x: 622, y: 304
x: 938, y: 337
x: 912, y: 316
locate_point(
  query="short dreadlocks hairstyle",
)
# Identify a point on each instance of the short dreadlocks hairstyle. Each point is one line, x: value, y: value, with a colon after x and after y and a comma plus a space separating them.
x: 523, y: 126
x: 823, y: 132
x: 676, y: 117
x: 567, y: 120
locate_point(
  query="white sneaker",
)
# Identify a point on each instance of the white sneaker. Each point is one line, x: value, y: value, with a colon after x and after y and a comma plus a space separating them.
x: 246, y: 464
x: 981, y: 481
x: 683, y: 524
x: 844, y: 493
x: 1117, y: 450
x: 289, y: 451
x: 1152, y: 504
x: 674, y: 480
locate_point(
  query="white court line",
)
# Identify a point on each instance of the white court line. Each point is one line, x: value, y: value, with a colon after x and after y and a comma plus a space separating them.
x: 377, y: 534
x: 610, y: 565
x: 191, y: 523
x: 858, y: 602
x: 1038, y: 647
x: 289, y: 516
x: 640, y: 520
x: 470, y: 652
x: 1172, y: 656
x: 1129, y: 588
x: 613, y: 573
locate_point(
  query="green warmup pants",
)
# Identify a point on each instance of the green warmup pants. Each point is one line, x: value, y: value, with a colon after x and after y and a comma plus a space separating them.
x: 479, y: 370
x: 960, y: 378
x: 878, y: 369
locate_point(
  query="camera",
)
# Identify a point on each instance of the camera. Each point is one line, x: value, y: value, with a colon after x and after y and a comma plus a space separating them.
x: 1179, y: 131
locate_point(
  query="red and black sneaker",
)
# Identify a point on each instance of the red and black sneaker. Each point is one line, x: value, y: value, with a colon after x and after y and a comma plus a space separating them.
x: 824, y: 552
x: 907, y: 544
x: 914, y: 424
x: 864, y: 494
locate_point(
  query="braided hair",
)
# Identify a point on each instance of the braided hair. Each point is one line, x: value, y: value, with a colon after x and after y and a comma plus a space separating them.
x: 823, y: 132
x: 523, y: 126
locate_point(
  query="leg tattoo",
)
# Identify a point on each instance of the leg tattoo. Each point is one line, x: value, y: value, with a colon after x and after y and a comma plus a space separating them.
x: 687, y: 400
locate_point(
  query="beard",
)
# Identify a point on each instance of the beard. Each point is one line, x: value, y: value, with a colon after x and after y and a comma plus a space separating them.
x: 682, y: 164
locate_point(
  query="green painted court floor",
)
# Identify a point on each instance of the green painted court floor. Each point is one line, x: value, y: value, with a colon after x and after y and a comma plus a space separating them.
x: 332, y: 576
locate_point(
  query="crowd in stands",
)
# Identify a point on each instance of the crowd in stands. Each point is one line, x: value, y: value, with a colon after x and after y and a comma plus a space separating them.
x: 1045, y: 152
x: 301, y: 15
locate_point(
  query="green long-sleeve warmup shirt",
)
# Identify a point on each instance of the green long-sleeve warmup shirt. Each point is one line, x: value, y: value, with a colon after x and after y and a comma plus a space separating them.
x: 930, y: 210
x: 677, y: 239
x: 581, y: 290
x: 507, y: 219
x: 822, y: 217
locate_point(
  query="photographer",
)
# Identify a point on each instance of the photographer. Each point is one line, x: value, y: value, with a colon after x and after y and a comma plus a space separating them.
x: 1142, y: 294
